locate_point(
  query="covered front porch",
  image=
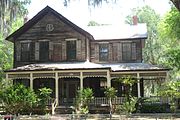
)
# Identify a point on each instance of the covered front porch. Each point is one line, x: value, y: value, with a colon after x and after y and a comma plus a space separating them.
x: 66, y: 79
x: 66, y: 83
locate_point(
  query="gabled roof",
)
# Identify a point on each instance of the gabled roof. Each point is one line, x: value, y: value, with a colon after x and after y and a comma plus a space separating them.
x: 123, y: 31
x: 39, y: 16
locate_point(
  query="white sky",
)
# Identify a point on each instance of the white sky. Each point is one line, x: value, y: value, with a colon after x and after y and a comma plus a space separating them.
x: 79, y: 13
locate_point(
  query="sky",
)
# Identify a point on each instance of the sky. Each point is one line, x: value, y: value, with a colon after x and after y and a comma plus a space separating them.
x: 79, y: 13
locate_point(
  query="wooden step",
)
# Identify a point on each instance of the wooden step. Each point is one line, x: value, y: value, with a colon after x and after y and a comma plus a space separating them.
x: 64, y: 110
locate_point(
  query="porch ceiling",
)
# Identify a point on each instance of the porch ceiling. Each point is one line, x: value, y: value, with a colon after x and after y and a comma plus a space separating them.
x: 117, y: 67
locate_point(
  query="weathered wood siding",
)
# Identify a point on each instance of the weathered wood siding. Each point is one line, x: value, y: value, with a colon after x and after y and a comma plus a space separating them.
x: 115, y: 51
x: 57, y: 41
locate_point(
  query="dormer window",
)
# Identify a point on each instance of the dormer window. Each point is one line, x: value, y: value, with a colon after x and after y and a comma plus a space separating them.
x: 71, y: 49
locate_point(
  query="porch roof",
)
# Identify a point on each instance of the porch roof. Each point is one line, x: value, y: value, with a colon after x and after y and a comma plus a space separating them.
x: 121, y: 67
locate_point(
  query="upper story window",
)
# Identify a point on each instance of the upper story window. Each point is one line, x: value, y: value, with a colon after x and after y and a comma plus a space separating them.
x: 71, y: 50
x: 128, y: 51
x: 103, y: 52
x: 25, y: 51
x: 44, y: 50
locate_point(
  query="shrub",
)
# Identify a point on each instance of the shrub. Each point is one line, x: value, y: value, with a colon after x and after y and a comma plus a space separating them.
x: 17, y: 98
x: 155, y: 108
x: 43, y: 96
x: 83, y: 98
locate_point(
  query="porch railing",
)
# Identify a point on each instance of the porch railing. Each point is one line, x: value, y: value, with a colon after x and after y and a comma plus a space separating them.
x: 103, y: 101
x: 120, y: 100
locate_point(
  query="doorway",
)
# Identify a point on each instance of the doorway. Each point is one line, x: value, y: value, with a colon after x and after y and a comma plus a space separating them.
x: 69, y: 87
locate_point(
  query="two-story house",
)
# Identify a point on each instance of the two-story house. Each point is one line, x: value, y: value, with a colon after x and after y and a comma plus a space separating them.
x: 51, y: 51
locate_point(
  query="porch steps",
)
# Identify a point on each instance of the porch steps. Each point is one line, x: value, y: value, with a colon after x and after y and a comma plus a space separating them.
x: 64, y: 110
x: 93, y: 110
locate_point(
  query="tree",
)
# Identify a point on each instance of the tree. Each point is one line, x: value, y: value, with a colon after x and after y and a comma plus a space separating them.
x: 83, y: 98
x: 43, y: 96
x: 176, y: 4
x: 10, y: 10
x: 172, y: 91
x: 168, y: 30
x: 110, y: 93
x: 12, y: 13
x: 6, y: 53
x: 93, y: 23
x: 128, y: 105
x: 147, y: 15
x: 16, y: 98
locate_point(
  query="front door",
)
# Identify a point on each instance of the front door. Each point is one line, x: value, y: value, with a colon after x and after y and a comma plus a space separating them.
x: 70, y: 88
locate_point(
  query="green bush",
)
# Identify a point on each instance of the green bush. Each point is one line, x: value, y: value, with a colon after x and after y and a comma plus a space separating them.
x: 154, y: 108
x: 83, y: 98
x: 18, y: 98
x: 43, y: 96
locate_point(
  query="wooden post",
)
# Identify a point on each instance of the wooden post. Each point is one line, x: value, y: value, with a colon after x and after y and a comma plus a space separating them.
x: 31, y: 81
x: 167, y: 76
x: 138, y: 85
x: 81, y: 80
x: 108, y: 79
x: 57, y: 87
x: 7, y: 76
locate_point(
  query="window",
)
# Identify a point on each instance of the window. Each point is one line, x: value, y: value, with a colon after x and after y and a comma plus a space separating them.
x: 103, y: 52
x: 25, y: 52
x: 71, y: 50
x: 44, y: 51
x: 24, y: 82
x: 128, y: 51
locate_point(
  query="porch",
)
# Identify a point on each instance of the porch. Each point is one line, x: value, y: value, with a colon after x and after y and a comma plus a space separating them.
x: 66, y: 79
x: 65, y: 84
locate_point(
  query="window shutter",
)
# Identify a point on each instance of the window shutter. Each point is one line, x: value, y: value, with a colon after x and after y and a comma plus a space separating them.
x: 18, y: 51
x: 115, y: 52
x: 32, y: 51
x: 83, y: 50
x: 50, y: 50
x: 64, y: 50
x: 96, y: 52
x: 78, y: 48
x: 37, y: 51
x: 119, y: 52
x: 57, y: 51
x: 133, y: 52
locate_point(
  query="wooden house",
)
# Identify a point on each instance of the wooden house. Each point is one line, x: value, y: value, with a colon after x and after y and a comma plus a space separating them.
x: 51, y: 51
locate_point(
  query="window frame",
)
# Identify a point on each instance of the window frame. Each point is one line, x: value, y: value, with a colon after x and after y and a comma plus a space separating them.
x: 127, y: 51
x: 25, y: 51
x: 103, y: 51
x: 71, y: 49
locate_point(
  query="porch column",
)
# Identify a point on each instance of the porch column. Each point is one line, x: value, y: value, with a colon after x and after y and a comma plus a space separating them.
x: 167, y: 76
x: 31, y: 81
x: 81, y: 80
x: 7, y: 76
x: 56, y: 87
x: 108, y: 79
x: 138, y: 85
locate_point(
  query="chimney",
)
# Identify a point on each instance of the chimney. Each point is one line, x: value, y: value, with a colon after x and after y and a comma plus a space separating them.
x: 135, y: 20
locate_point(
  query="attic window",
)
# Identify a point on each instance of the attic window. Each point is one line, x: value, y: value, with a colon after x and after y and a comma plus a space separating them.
x: 49, y: 27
